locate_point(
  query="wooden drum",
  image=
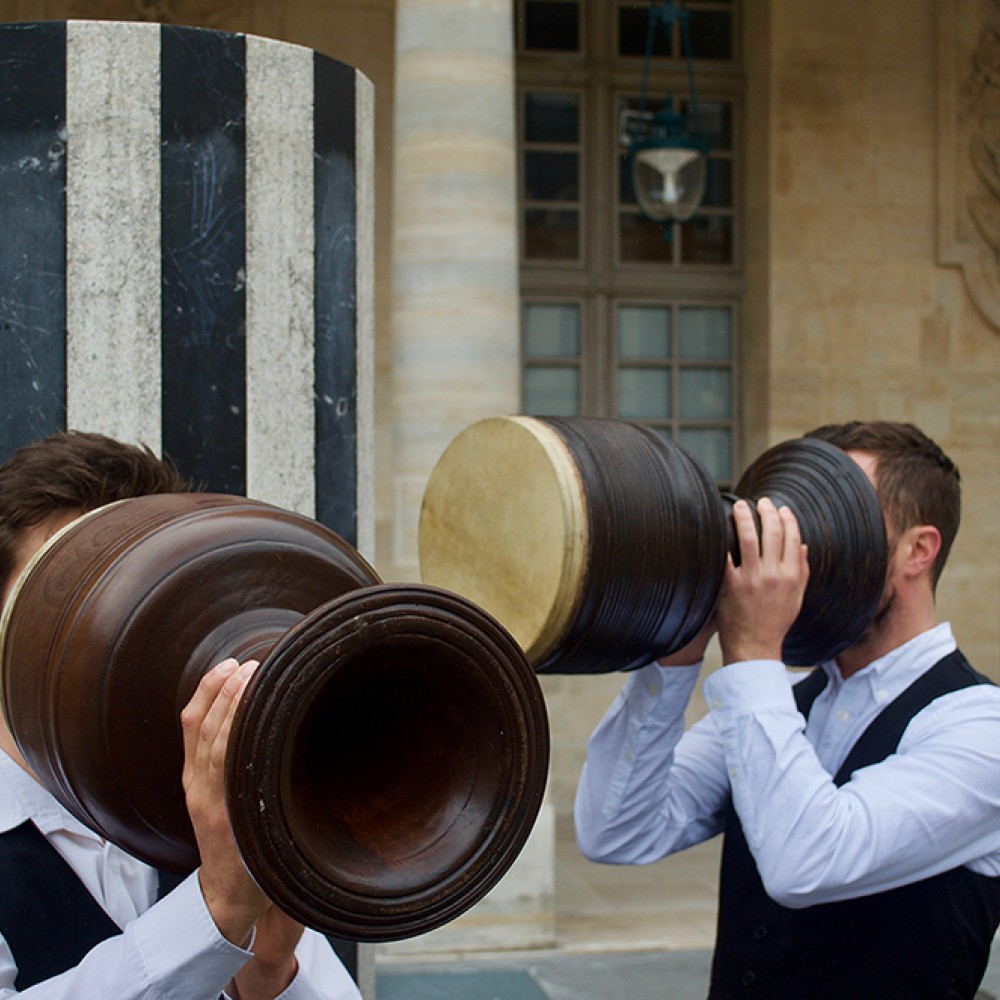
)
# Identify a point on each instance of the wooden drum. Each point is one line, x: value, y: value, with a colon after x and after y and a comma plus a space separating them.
x: 387, y: 760
x: 601, y: 545
x: 597, y: 543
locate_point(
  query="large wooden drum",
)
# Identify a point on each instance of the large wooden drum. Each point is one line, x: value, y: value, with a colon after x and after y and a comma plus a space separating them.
x: 388, y: 758
x: 600, y: 544
x: 593, y: 541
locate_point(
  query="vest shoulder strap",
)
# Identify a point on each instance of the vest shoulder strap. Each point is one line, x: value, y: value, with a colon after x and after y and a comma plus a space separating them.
x: 881, y: 738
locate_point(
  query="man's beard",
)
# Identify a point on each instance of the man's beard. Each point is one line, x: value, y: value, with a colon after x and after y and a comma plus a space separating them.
x: 881, y: 616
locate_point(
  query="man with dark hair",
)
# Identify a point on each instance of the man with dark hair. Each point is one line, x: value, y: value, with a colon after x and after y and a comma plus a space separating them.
x: 93, y: 925
x: 860, y: 802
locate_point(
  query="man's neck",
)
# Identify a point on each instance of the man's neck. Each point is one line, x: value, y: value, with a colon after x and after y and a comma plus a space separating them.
x: 9, y: 747
x: 900, y: 626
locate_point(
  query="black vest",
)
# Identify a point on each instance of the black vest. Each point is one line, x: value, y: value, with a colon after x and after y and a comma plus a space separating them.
x: 930, y: 939
x: 47, y: 917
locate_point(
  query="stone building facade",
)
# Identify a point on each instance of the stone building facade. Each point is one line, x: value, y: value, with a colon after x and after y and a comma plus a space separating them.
x: 869, y: 251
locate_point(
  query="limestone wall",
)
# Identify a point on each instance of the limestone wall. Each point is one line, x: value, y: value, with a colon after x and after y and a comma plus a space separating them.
x: 867, y: 115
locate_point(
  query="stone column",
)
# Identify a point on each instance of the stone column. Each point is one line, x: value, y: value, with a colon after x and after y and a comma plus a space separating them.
x: 455, y: 292
x: 455, y: 331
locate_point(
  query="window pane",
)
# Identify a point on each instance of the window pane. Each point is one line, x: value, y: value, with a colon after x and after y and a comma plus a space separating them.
x: 643, y: 332
x: 707, y: 239
x: 711, y: 34
x: 642, y: 241
x: 551, y: 176
x: 552, y: 392
x: 626, y: 192
x: 551, y: 117
x: 714, y: 448
x: 551, y: 331
x: 719, y: 184
x: 552, y: 25
x: 633, y: 26
x: 705, y: 334
x: 715, y: 119
x: 551, y: 235
x: 706, y: 394
x: 643, y: 393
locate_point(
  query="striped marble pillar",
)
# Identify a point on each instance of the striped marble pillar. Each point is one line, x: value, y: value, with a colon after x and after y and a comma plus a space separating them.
x: 186, y: 256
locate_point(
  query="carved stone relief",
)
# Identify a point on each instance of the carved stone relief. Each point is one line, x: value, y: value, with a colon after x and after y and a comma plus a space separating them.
x: 969, y: 147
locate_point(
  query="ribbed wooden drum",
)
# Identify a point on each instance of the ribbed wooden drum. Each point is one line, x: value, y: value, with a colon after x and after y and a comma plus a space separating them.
x: 388, y: 758
x: 841, y: 521
x: 595, y: 542
x: 600, y: 544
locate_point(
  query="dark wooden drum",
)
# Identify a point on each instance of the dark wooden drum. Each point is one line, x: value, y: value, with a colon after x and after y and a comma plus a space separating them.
x: 388, y: 758
x: 600, y: 544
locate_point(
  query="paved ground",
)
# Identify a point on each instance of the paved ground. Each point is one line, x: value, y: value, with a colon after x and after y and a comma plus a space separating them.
x: 664, y: 975
x: 621, y: 934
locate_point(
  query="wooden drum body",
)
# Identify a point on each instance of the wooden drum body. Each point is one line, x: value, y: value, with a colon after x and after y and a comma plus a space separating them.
x: 388, y: 758
x: 600, y: 544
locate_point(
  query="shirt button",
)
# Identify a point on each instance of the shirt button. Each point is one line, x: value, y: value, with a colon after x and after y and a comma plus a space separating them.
x: 748, y: 978
x: 759, y: 932
x: 881, y: 694
x: 629, y: 755
x: 843, y: 715
x: 716, y: 703
x: 651, y: 690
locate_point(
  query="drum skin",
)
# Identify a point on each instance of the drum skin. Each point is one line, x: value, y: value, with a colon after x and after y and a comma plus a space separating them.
x: 387, y: 760
x: 602, y: 545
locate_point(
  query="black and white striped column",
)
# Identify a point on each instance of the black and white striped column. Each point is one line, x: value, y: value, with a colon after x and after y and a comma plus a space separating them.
x: 186, y: 256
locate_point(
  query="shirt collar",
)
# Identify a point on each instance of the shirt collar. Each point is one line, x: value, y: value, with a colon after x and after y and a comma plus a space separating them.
x: 902, y: 665
x: 23, y: 798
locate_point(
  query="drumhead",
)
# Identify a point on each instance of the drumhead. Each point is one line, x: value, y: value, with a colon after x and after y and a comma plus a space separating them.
x: 503, y: 523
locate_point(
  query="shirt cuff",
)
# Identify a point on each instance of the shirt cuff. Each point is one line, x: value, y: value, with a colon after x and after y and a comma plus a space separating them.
x: 178, y: 939
x: 748, y: 687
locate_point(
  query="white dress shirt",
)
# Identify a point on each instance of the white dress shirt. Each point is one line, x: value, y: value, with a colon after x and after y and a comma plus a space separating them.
x: 168, y: 951
x: 649, y: 789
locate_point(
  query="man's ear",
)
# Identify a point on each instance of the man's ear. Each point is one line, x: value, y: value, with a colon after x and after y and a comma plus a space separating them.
x: 920, y: 547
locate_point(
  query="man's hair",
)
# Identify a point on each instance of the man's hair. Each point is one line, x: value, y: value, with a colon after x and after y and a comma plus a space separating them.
x: 915, y: 480
x: 74, y: 470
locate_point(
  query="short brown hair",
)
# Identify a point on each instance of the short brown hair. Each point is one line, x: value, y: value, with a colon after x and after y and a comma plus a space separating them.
x: 74, y: 470
x: 915, y: 480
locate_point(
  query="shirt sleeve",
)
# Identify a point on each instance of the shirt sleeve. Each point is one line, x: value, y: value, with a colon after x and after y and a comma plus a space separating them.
x: 172, y: 952
x: 647, y: 788
x: 932, y: 806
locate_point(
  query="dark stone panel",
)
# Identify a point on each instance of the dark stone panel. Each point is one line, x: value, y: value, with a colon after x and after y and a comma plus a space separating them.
x: 203, y: 221
x: 33, y: 244
x: 336, y: 298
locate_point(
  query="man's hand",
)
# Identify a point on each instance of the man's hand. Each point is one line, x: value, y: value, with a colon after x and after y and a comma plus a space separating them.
x: 233, y: 898
x: 762, y: 597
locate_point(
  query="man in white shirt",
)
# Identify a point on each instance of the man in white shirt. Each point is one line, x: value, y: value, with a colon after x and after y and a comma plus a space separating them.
x: 861, y: 806
x: 214, y: 934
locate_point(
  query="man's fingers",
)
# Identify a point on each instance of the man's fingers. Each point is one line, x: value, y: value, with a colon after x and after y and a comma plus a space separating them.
x: 791, y: 549
x: 207, y: 717
x: 204, y: 697
x: 746, y: 532
x: 771, y: 530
